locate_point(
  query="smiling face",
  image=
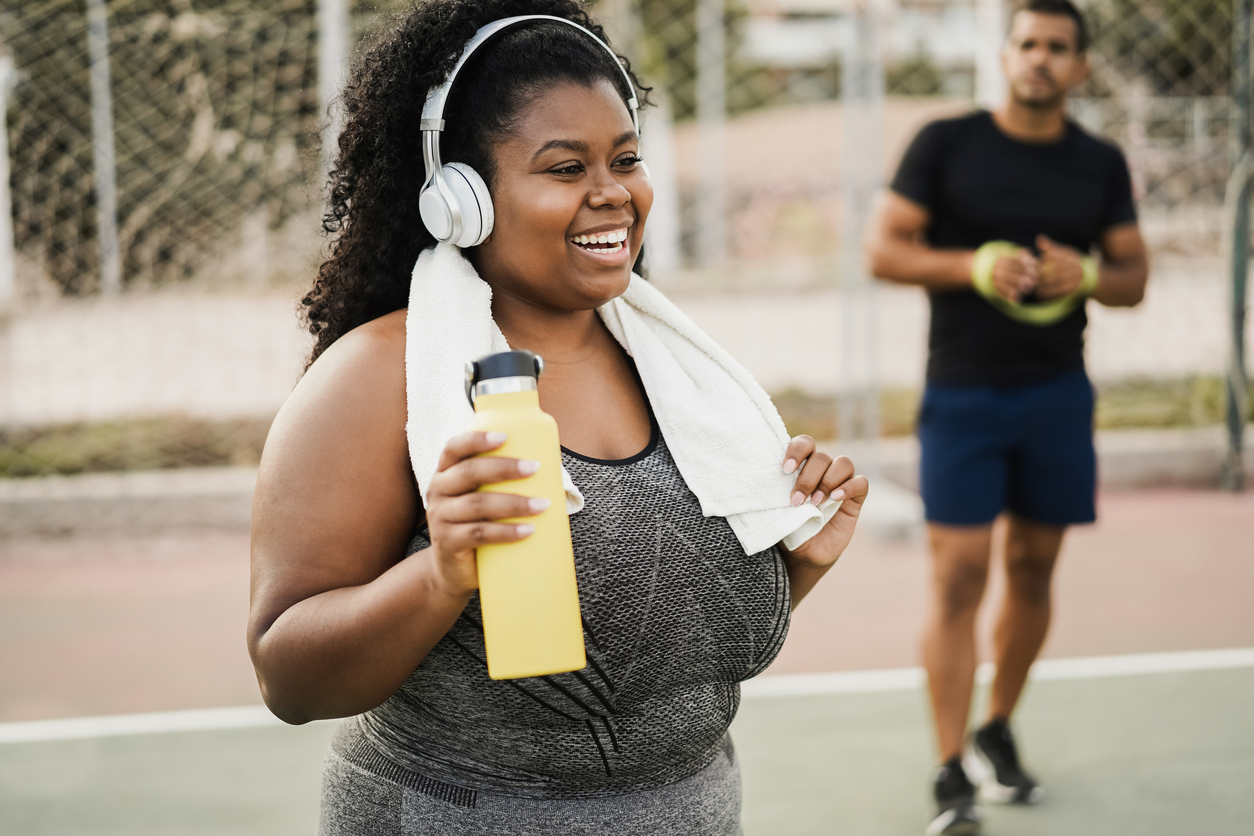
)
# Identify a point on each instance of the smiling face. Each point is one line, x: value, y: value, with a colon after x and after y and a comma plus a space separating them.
x: 1040, y: 60
x: 571, y: 196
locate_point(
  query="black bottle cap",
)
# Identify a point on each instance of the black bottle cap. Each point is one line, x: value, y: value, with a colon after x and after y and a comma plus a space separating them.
x: 506, y: 364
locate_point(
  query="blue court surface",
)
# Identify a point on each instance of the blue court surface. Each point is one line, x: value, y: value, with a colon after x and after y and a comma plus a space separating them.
x: 1136, y: 745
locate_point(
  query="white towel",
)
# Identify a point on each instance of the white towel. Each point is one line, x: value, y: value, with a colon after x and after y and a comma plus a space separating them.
x: 721, y: 428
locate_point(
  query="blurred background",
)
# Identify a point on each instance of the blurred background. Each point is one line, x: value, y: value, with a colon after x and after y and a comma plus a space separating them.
x: 161, y: 172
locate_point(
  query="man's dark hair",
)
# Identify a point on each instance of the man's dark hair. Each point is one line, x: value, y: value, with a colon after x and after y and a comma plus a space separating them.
x: 1063, y: 8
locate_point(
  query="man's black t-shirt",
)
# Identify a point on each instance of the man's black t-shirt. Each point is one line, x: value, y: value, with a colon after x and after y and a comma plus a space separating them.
x: 980, y: 185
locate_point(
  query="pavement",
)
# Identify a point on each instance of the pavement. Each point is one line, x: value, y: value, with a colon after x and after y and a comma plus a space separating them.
x: 107, y: 624
x: 111, y: 624
x: 220, y: 498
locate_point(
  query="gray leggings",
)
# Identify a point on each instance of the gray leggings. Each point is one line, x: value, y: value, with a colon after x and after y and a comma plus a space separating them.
x: 356, y: 802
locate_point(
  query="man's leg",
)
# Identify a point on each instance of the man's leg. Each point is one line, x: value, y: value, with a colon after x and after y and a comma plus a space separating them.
x: 963, y: 478
x: 1031, y: 554
x: 960, y: 558
x: 993, y: 757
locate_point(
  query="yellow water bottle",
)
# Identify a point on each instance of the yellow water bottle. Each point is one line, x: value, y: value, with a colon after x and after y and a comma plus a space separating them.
x: 527, y: 589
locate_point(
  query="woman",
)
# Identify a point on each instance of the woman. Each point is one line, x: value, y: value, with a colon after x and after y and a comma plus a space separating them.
x: 364, y: 599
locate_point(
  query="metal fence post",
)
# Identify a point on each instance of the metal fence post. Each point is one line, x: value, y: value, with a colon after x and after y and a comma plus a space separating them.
x: 711, y: 115
x: 102, y: 148
x: 990, y: 24
x: 662, y: 247
x: 333, y: 25
x: 662, y: 235
x: 8, y: 259
x: 1237, y: 390
x: 861, y: 120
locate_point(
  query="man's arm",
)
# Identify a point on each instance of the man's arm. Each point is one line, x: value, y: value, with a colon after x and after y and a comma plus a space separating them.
x: 896, y: 251
x: 1124, y: 267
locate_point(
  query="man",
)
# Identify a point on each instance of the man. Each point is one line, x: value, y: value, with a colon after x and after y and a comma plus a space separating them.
x: 1006, y: 420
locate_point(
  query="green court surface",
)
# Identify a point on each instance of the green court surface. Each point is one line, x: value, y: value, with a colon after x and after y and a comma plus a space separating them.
x: 1167, y: 754
x: 1147, y: 755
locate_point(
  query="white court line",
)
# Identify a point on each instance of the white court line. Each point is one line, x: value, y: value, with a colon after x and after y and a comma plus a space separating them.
x: 777, y: 685
x: 910, y: 679
x: 158, y: 722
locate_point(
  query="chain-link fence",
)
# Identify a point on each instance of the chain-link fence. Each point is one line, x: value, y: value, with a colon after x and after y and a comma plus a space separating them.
x: 213, y: 111
x: 777, y: 120
x: 1161, y: 88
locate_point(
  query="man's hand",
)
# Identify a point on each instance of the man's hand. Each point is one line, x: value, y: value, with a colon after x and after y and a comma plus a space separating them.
x: 1060, y: 272
x: 1015, y: 276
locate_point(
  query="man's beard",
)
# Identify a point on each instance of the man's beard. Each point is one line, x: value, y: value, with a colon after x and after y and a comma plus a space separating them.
x: 1039, y: 102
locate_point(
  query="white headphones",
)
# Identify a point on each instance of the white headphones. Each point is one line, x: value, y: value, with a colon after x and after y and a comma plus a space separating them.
x: 455, y: 204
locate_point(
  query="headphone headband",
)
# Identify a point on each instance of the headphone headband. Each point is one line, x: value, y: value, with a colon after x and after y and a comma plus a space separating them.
x: 433, y: 110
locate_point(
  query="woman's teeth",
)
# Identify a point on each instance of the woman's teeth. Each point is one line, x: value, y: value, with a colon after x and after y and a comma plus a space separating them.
x: 603, y: 242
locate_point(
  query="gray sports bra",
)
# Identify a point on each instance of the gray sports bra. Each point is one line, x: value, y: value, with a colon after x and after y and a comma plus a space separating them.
x: 675, y: 616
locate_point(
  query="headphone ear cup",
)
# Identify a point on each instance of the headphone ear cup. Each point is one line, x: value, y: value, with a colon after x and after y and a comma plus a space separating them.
x: 475, y: 202
x: 436, y: 216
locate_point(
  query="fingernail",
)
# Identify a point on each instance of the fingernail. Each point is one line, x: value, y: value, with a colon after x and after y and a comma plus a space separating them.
x: 839, y: 494
x: 525, y: 530
x: 798, y: 498
x: 790, y: 465
x: 495, y: 438
x: 528, y: 466
x: 817, y: 498
x: 538, y: 504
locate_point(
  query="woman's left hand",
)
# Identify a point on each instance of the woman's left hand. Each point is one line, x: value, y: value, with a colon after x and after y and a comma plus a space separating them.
x: 821, y: 477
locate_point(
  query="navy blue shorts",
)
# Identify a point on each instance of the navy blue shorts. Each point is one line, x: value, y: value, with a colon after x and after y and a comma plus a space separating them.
x: 1024, y: 448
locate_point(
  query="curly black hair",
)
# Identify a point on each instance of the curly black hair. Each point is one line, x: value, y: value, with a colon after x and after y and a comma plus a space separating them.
x: 372, y: 218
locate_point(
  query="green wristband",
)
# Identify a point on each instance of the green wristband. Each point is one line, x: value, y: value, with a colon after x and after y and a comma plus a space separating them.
x: 1091, y: 274
x: 985, y: 260
x: 1039, y: 314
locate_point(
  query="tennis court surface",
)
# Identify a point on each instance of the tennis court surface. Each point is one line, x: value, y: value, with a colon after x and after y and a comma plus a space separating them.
x: 1140, y: 721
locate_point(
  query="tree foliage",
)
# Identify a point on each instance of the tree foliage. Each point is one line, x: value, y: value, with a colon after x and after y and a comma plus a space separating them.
x: 215, y: 118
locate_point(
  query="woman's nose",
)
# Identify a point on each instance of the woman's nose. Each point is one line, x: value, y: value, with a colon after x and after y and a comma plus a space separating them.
x: 608, y: 192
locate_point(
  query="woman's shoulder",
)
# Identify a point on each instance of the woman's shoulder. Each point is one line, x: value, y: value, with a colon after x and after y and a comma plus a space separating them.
x: 371, y: 354
x: 380, y: 338
x: 357, y: 385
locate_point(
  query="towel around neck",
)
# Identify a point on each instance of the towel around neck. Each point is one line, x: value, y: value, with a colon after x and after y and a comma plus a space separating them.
x: 723, y: 431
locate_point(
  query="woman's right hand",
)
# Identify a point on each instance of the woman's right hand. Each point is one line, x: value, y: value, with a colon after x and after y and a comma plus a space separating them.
x: 460, y: 518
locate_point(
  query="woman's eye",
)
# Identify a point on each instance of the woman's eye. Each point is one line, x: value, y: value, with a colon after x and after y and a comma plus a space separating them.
x: 569, y: 168
x: 629, y: 162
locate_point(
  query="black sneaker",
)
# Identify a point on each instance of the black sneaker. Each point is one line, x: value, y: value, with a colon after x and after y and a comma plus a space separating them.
x: 993, y: 761
x: 956, y: 813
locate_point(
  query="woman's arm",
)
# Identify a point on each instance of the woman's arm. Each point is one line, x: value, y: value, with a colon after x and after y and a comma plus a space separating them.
x: 820, y: 477
x: 338, y: 616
